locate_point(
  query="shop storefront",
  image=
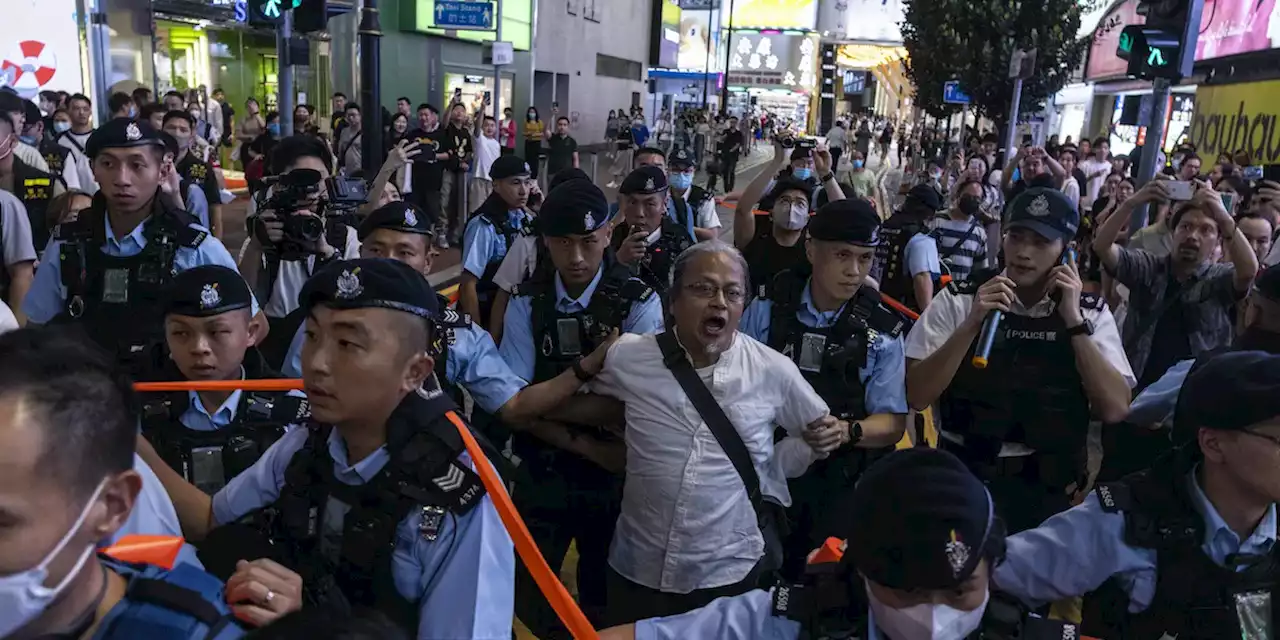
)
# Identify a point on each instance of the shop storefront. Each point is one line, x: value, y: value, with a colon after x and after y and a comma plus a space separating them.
x: 1231, y: 118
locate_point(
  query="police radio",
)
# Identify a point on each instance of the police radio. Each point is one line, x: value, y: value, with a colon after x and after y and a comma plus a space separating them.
x: 991, y: 325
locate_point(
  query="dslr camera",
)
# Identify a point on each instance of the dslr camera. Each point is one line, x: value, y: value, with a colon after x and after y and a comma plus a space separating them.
x: 298, y: 190
x: 789, y: 141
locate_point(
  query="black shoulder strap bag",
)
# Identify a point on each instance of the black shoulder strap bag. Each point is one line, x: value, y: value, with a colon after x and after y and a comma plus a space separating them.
x: 770, y: 515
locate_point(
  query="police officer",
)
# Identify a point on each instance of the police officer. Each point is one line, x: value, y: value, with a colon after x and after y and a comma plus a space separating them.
x: 680, y: 211
x: 69, y: 483
x: 908, y: 261
x: 107, y: 271
x: 920, y: 548
x: 568, y: 492
x: 61, y: 162
x: 490, y: 233
x: 701, y: 203
x: 848, y: 346
x: 193, y: 169
x: 33, y: 186
x: 1185, y: 549
x: 777, y: 246
x: 1055, y: 364
x: 378, y: 504
x: 649, y: 240
x: 210, y: 437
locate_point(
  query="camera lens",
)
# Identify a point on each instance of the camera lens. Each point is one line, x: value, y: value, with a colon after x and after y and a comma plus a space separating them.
x: 310, y: 228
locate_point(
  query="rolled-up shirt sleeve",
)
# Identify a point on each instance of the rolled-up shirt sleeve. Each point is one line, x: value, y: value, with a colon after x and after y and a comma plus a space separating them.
x: 1135, y: 268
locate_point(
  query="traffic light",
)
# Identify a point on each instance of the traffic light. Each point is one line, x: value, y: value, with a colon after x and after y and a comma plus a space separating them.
x: 269, y: 13
x: 1165, y: 46
x: 310, y: 16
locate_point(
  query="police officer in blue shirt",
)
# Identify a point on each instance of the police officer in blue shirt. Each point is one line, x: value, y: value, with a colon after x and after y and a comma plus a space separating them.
x: 378, y: 504
x: 908, y: 263
x: 107, y: 271
x: 1155, y: 405
x: 1185, y: 549
x: 921, y: 544
x: 564, y: 490
x: 679, y: 211
x: 848, y: 346
x: 67, y: 483
x: 490, y: 232
x: 648, y: 240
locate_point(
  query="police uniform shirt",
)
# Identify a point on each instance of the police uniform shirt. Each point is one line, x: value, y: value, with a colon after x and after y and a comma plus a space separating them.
x: 1077, y: 550
x: 883, y: 377
x: 463, y: 582
x: 1156, y: 403
x: 705, y: 217
x: 153, y: 514
x: 518, y: 265
x: 922, y: 256
x: 482, y: 244
x: 517, y: 346
x: 47, y: 297
x: 294, y: 274
x: 472, y: 363
x: 948, y: 311
x: 15, y: 232
x: 197, y: 204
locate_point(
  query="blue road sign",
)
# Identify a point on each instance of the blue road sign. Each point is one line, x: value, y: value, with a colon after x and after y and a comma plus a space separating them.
x: 951, y: 93
x: 464, y: 14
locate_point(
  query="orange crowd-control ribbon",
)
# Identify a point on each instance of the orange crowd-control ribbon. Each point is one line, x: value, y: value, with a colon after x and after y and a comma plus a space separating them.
x: 218, y: 385
x: 161, y: 551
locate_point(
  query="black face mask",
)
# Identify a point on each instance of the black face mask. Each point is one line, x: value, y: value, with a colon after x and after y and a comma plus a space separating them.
x: 970, y: 205
x: 1258, y: 339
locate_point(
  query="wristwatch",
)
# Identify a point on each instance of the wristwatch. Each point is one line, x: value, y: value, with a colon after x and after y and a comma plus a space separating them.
x: 831, y: 175
x: 581, y: 373
x: 1085, y: 328
x: 855, y: 434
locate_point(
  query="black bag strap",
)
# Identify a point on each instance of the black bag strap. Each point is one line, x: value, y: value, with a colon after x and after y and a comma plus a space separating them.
x: 952, y: 250
x: 673, y: 356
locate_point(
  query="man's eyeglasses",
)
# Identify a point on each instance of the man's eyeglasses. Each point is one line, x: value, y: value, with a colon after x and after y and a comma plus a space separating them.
x: 707, y: 291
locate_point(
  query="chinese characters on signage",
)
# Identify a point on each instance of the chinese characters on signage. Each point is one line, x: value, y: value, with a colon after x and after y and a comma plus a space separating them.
x: 773, y: 60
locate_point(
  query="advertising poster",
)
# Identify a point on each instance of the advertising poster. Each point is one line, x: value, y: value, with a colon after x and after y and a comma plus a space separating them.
x: 40, y: 45
x: 698, y: 42
x: 1232, y: 27
x: 669, y: 39
x: 1236, y: 117
x: 778, y: 14
x: 773, y: 60
x: 868, y: 20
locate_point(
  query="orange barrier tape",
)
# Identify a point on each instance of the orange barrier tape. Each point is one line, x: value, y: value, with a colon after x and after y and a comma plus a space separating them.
x: 161, y: 551
x: 218, y: 385
x: 830, y: 551
x: 899, y: 307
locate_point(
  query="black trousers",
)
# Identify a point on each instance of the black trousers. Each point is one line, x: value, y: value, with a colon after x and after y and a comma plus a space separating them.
x: 629, y: 602
x: 429, y: 201
x: 1023, y: 498
x: 835, y: 158
x: 729, y: 169
x: 565, y: 499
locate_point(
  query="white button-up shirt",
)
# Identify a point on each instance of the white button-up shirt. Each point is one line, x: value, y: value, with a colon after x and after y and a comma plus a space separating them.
x: 686, y: 521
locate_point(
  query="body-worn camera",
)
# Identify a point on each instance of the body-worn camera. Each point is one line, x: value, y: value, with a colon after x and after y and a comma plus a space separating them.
x: 301, y: 234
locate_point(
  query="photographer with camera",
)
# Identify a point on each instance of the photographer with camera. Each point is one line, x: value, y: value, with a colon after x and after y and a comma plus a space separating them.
x: 292, y: 233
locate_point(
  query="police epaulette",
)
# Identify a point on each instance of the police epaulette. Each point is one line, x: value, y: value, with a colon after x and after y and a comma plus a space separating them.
x: 1113, y: 498
x: 191, y: 238
x: 1092, y: 301
x: 636, y: 290
x: 452, y: 319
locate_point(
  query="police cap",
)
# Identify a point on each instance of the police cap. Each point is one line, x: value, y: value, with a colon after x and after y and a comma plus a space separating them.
x: 396, y: 216
x: 509, y: 167
x: 925, y: 195
x: 1045, y: 211
x: 121, y: 133
x: 576, y: 207
x: 207, y: 290
x: 644, y: 181
x: 851, y: 220
x: 680, y: 159
x: 370, y: 283
x: 565, y: 175
x: 919, y: 519
x: 1230, y: 392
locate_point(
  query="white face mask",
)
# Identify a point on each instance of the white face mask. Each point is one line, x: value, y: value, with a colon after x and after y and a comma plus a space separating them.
x: 790, y: 217
x: 23, y: 596
x: 926, y: 621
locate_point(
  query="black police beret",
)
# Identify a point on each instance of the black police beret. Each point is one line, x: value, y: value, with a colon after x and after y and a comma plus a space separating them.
x: 123, y: 132
x: 509, y: 167
x: 1230, y: 391
x: 644, y: 180
x: 575, y: 207
x: 1045, y: 211
x: 919, y: 519
x: 680, y: 159
x: 851, y: 220
x: 397, y: 216
x: 1268, y: 283
x: 30, y: 112
x: 371, y: 282
x: 207, y: 290
x: 927, y: 196
x: 565, y: 175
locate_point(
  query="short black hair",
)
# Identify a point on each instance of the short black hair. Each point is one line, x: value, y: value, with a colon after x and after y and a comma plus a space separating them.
x: 51, y: 96
x: 565, y: 118
x: 1254, y: 216
x: 428, y: 107
x: 296, y: 147
x: 152, y: 108
x: 968, y: 181
x: 645, y: 151
x: 80, y: 398
x: 118, y: 101
x: 339, y: 94
x: 351, y: 106
x: 173, y: 94
x: 7, y: 119
x: 1181, y: 211
x: 490, y: 119
x: 79, y: 96
x: 219, y: 90
x: 178, y: 113
x: 404, y: 100
x: 1101, y: 140
x: 1237, y: 184
x: 1192, y: 155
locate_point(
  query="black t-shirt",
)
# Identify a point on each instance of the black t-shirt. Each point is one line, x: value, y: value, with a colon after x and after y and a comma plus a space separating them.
x: 228, y: 112
x: 1079, y: 176
x: 561, y: 152
x: 199, y: 173
x: 337, y: 124
x: 1170, y: 344
x: 459, y: 142
x: 733, y: 142
x: 428, y: 173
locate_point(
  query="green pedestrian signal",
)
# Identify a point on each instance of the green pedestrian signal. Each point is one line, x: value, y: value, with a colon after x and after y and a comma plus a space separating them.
x: 1155, y: 58
x: 271, y: 9
x: 1126, y: 43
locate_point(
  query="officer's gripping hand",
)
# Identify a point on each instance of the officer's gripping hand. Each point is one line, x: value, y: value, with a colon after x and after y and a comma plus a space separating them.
x: 634, y: 247
x: 826, y: 434
x: 996, y: 294
x: 594, y: 362
x: 1065, y: 279
x: 262, y: 591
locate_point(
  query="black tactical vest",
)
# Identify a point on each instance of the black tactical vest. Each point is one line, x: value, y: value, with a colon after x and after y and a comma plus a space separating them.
x: 422, y: 475
x: 117, y: 300
x: 494, y: 212
x: 35, y: 189
x: 891, y: 258
x: 698, y: 198
x: 1030, y: 392
x: 660, y: 258
x: 55, y: 155
x: 1195, y: 599
x: 210, y: 459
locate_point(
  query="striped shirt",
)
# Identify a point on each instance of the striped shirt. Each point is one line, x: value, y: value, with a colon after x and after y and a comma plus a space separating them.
x: 962, y: 245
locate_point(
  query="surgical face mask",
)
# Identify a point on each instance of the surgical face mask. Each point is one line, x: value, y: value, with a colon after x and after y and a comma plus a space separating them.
x: 274, y: 129
x: 61, y: 126
x: 803, y: 173
x: 857, y: 164
x: 6, y: 147
x: 926, y: 621
x: 184, y: 142
x: 970, y: 205
x: 531, y: 115
x: 31, y: 140
x: 681, y: 180
x: 23, y: 596
x: 790, y: 216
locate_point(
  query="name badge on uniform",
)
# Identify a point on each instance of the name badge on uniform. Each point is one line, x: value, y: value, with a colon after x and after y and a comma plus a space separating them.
x: 812, y: 348
x: 432, y: 520
x: 115, y: 286
x: 570, y: 336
